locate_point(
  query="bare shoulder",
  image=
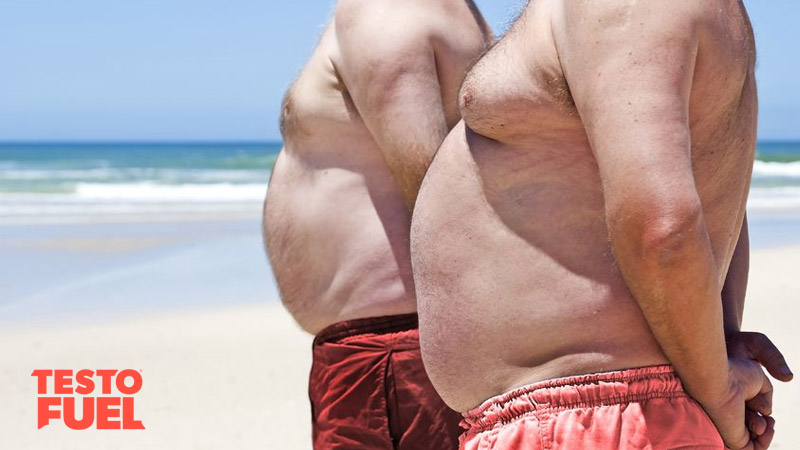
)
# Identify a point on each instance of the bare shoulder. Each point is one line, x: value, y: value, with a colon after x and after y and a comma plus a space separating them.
x: 379, y: 39
x: 659, y: 32
x: 634, y: 18
x: 384, y: 17
x: 653, y: 19
x: 400, y: 9
x: 672, y: 10
x: 398, y: 22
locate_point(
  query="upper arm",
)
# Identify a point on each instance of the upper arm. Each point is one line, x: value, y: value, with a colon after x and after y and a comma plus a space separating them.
x: 630, y: 69
x: 389, y: 67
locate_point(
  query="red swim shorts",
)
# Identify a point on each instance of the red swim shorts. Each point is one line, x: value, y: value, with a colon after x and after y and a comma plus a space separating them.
x: 369, y: 390
x: 643, y: 408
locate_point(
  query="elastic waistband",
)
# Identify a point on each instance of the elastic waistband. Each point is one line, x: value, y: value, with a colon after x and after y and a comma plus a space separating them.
x: 583, y: 391
x: 370, y: 325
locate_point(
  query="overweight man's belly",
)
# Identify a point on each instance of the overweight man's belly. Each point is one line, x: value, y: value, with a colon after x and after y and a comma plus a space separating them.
x: 514, y: 274
x: 338, y: 243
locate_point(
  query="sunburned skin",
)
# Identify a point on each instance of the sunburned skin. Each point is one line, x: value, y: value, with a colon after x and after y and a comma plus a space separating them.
x: 361, y: 114
x: 517, y: 280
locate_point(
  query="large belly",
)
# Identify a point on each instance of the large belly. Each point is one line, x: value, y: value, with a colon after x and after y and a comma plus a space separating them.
x: 337, y: 238
x: 514, y: 274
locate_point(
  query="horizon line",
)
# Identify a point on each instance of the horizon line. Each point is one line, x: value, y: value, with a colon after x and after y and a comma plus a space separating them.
x: 137, y: 141
x: 223, y: 141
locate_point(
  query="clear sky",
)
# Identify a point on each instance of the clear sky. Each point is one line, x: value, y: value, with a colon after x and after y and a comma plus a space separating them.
x: 217, y: 69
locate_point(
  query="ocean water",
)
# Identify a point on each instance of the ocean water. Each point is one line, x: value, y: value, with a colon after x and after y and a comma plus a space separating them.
x: 81, y: 182
x: 75, y: 182
x: 776, y: 177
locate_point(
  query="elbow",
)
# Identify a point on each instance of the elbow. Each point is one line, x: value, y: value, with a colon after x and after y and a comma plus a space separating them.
x: 665, y: 236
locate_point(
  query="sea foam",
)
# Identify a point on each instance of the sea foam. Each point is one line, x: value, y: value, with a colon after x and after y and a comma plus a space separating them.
x: 776, y: 169
x: 153, y: 192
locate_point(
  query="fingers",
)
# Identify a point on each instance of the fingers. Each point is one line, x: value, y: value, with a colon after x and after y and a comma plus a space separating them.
x: 729, y: 419
x: 749, y: 446
x: 755, y: 422
x: 758, y: 441
x: 743, y: 440
x: 762, y: 402
x: 763, y: 441
x: 765, y: 352
x: 760, y: 405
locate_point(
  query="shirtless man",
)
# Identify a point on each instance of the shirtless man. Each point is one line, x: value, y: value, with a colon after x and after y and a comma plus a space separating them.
x: 583, y: 219
x: 360, y: 125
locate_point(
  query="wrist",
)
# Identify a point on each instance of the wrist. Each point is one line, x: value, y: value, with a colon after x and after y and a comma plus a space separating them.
x: 731, y: 329
x: 711, y: 389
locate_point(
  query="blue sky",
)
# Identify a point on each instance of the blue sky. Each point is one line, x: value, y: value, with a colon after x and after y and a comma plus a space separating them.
x: 216, y: 70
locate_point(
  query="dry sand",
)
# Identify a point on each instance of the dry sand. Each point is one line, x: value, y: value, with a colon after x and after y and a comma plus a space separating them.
x: 773, y: 308
x: 236, y: 378
x: 230, y: 379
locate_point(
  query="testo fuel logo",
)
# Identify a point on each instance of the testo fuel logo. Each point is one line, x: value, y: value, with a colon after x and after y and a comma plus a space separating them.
x: 101, y: 399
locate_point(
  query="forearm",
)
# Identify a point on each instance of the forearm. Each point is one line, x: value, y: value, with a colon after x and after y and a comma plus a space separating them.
x: 735, y: 288
x: 672, y: 273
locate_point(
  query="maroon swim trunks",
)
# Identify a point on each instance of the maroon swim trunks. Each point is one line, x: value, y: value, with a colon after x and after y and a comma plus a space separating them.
x: 636, y: 409
x: 369, y: 390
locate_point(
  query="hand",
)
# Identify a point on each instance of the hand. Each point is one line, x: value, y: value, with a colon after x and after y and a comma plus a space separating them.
x: 745, y: 382
x: 758, y: 347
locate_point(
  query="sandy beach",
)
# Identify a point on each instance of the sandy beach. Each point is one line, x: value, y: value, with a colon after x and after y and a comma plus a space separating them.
x: 138, y: 141
x: 231, y: 378
x: 229, y: 374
